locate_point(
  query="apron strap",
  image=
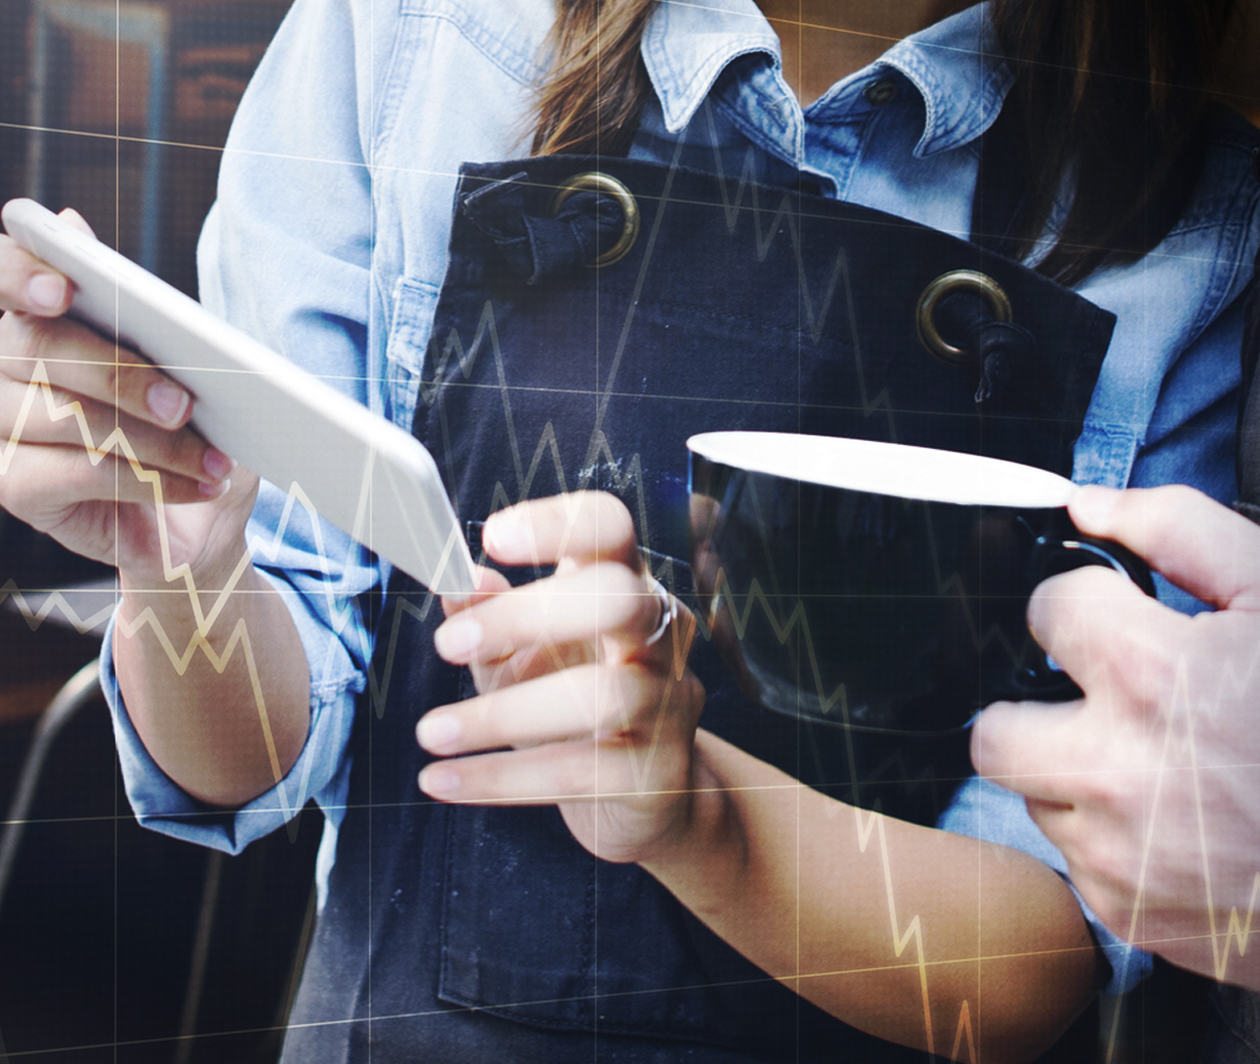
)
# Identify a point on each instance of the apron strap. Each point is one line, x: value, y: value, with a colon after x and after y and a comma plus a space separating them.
x: 998, y: 201
x: 583, y: 223
x: 996, y: 346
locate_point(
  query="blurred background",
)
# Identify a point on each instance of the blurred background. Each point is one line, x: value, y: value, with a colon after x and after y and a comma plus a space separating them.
x: 116, y: 944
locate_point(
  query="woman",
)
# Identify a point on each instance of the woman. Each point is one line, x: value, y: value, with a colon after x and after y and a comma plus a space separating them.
x: 455, y: 932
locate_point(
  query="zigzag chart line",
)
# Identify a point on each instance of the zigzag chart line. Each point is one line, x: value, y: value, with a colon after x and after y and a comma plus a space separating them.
x: 117, y: 441
x: 734, y: 206
x: 456, y: 358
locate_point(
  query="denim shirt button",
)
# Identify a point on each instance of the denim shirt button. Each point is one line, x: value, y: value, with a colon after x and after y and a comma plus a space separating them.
x: 880, y: 92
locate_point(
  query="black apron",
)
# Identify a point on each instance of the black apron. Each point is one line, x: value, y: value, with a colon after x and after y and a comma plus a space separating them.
x: 481, y: 934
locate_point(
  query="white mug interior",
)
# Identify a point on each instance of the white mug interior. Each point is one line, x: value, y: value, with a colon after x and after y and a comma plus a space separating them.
x: 895, y: 469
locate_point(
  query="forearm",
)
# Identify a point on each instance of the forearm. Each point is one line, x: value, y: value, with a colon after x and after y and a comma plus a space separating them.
x: 215, y: 683
x: 907, y: 932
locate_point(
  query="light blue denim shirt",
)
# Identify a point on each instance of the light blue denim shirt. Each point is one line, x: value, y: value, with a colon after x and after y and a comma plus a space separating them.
x: 329, y: 243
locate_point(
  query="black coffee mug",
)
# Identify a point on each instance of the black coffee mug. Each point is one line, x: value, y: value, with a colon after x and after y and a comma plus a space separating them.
x: 876, y: 585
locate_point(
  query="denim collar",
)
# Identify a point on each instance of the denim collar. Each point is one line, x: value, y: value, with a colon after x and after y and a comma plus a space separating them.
x: 954, y: 65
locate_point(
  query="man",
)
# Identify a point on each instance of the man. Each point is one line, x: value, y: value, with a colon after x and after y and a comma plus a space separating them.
x: 1150, y: 784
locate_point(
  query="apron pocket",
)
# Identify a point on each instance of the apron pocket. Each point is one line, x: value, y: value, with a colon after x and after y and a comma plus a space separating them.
x: 533, y: 929
x: 537, y: 932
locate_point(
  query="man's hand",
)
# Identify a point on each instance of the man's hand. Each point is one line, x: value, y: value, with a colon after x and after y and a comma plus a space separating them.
x: 1150, y: 784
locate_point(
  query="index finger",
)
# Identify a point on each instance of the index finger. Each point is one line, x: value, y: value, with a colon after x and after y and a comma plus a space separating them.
x: 1104, y: 632
x: 29, y: 285
x: 81, y: 361
x: 584, y: 526
x: 1031, y: 747
x: 486, y: 583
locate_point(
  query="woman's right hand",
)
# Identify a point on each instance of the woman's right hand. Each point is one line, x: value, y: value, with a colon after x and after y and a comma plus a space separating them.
x: 75, y: 410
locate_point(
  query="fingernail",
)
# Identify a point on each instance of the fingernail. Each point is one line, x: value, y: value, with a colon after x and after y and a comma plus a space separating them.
x: 505, y: 534
x: 167, y: 401
x: 458, y: 638
x: 216, y: 463
x: 46, y: 291
x: 441, y: 781
x: 1092, y: 506
x: 215, y: 489
x: 439, y: 731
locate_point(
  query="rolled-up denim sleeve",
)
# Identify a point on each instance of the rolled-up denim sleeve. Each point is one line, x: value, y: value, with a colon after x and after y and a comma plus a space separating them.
x: 320, y: 773
x: 988, y: 811
x: 286, y: 256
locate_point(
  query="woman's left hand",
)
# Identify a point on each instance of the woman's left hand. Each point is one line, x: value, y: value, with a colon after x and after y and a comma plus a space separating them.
x: 593, y: 702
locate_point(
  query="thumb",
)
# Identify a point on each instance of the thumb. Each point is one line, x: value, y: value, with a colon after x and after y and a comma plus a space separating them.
x: 1197, y: 543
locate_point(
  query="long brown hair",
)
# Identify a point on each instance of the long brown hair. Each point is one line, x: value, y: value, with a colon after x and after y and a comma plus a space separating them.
x: 1116, y: 91
x: 597, y: 81
x: 1110, y: 91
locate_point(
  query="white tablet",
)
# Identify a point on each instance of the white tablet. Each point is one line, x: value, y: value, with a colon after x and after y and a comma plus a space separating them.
x: 361, y: 472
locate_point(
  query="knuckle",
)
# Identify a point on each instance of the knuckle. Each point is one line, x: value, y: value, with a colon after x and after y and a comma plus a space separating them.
x: 27, y: 341
x: 1098, y: 790
x: 623, y: 688
x: 1061, y: 610
x: 129, y: 377
x: 16, y: 270
x: 43, y: 349
x: 625, y: 602
x: 1173, y: 497
x: 60, y: 399
x: 693, y: 689
x: 647, y: 609
x: 609, y: 507
x: 996, y: 747
x: 575, y: 775
x: 620, y: 581
x: 1165, y: 536
x: 1148, y: 678
x: 111, y: 381
x: 614, y: 521
x: 185, y: 449
x: 1162, y: 512
x: 79, y: 478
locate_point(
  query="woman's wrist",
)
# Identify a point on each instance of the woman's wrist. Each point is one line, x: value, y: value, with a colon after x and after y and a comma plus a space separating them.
x: 705, y: 852
x: 170, y: 589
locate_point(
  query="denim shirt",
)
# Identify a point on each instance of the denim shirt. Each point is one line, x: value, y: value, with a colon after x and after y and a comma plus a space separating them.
x: 329, y: 243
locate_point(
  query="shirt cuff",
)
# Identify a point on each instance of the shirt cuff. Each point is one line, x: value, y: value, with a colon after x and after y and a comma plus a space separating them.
x: 320, y: 772
x: 985, y: 810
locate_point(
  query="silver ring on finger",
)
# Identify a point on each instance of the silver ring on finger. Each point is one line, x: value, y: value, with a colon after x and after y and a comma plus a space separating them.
x: 669, y: 612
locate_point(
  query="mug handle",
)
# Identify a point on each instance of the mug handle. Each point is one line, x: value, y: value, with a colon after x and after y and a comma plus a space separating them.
x: 1044, y: 679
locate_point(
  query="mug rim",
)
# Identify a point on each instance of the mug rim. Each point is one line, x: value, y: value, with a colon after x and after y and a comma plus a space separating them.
x: 925, y: 472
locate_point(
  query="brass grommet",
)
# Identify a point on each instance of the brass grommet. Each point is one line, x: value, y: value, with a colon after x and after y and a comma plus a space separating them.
x: 594, y: 181
x: 966, y: 280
